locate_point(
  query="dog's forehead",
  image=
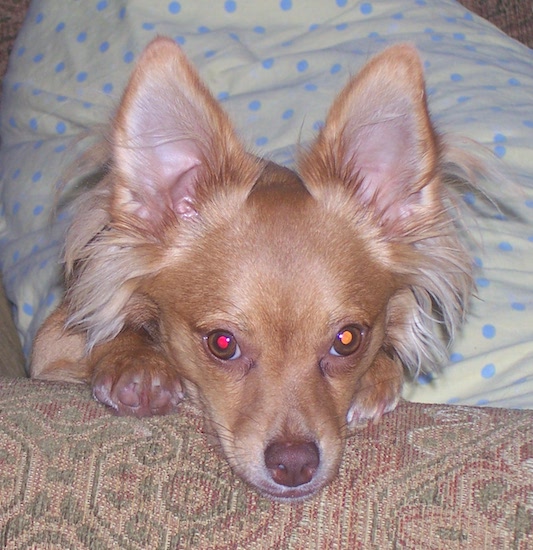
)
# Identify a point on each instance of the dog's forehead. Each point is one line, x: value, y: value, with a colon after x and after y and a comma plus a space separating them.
x: 285, y: 256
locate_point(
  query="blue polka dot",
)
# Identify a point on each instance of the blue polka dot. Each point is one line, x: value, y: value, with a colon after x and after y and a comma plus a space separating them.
x: 366, y: 8
x: 180, y: 40
x: 452, y: 401
x: 102, y: 5
x: 60, y: 148
x: 302, y: 66
x: 424, y: 379
x: 50, y: 299
x: 469, y: 198
x: 259, y: 30
x: 463, y: 99
x: 482, y: 282
x: 38, y: 210
x: 39, y: 18
x: 122, y: 13
x: 318, y: 125
x: 107, y: 88
x: 468, y: 16
x: 38, y: 58
x: 285, y: 5
x: 341, y: 26
x: 261, y: 141
x: 148, y: 26
x: 528, y: 123
x: 514, y: 82
x: 398, y: 16
x: 34, y: 124
x: 81, y: 77
x: 437, y: 37
x: 488, y: 371
x: 505, y: 246
x: 287, y: 114
x: 16, y: 174
x: 311, y: 87
x: 230, y: 6
x: 16, y: 255
x: 27, y: 309
x: 223, y: 96
x: 234, y: 36
x: 268, y: 63
x: 82, y: 37
x: 61, y: 127
x: 128, y: 57
x: 210, y: 53
x: 499, y: 138
x: 104, y: 46
x: 456, y: 77
x: 60, y: 67
x: 488, y: 331
x: 482, y: 402
x: 12, y: 122
x: 203, y: 29
x: 459, y: 36
x: 518, y: 306
x: 254, y: 105
x: 456, y: 357
x: 21, y: 51
x: 341, y: 3
x: 16, y: 208
x: 174, y: 7
x: 60, y: 27
x: 335, y: 68
x: 529, y: 203
x: 500, y: 151
x: 36, y: 177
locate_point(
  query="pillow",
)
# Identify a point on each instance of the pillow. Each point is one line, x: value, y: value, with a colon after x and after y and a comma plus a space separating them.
x: 276, y: 65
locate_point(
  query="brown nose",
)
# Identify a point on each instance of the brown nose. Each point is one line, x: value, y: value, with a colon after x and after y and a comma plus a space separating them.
x: 292, y: 464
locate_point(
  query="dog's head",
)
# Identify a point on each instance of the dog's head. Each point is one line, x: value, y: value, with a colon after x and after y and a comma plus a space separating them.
x: 290, y: 303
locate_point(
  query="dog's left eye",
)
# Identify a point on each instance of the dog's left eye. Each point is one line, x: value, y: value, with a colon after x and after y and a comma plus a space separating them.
x: 223, y: 345
x: 347, y: 341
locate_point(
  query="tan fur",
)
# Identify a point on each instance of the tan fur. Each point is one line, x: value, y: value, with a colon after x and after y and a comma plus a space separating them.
x: 188, y: 234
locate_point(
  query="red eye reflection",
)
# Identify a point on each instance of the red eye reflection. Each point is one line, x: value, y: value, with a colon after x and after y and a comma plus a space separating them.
x: 223, y: 345
x: 347, y: 341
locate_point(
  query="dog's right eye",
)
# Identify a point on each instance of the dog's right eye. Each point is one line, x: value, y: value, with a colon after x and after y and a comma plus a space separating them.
x: 223, y: 345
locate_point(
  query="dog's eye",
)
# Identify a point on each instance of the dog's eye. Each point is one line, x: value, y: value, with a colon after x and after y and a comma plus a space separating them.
x: 222, y: 345
x: 347, y: 341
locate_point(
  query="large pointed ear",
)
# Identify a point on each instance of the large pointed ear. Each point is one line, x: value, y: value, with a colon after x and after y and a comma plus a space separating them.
x: 378, y: 140
x: 169, y: 134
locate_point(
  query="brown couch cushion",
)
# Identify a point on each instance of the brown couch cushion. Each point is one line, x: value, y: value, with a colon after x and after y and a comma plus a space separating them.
x: 74, y: 476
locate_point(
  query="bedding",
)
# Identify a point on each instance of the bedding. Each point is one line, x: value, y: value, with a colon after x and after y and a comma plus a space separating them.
x: 276, y: 65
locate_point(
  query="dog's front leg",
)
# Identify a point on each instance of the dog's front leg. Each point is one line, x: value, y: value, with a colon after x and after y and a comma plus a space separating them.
x: 132, y: 375
x: 379, y: 390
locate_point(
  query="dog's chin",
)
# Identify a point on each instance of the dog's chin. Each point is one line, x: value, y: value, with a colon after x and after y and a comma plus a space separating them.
x: 280, y: 493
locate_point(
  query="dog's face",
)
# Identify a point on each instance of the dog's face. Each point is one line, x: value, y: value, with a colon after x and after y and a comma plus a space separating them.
x: 287, y: 304
x: 273, y: 318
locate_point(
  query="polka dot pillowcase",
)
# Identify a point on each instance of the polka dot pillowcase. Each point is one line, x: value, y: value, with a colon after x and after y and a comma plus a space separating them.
x: 276, y: 66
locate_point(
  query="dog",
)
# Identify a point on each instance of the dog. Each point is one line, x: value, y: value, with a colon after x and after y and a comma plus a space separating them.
x: 289, y: 305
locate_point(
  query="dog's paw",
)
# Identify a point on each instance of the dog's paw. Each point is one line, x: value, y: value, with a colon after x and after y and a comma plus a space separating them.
x: 140, y: 385
x: 379, y: 393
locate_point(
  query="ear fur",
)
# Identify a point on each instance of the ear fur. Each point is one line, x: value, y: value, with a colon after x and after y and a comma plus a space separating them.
x: 378, y: 139
x: 169, y: 135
